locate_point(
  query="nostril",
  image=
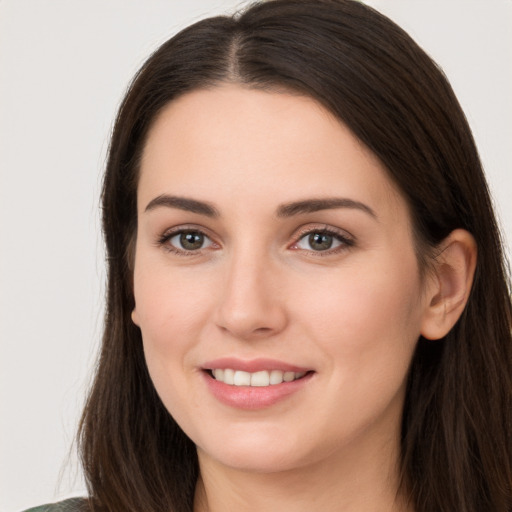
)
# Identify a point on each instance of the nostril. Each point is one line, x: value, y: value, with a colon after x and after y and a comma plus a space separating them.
x: 262, y: 330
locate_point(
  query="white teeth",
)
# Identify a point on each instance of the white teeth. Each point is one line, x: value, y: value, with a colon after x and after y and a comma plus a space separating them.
x: 218, y: 374
x: 276, y: 377
x: 257, y: 379
x: 229, y: 376
x: 260, y: 379
x: 242, y: 378
x: 288, y: 376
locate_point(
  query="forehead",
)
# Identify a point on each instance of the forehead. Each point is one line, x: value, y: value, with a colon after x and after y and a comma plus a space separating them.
x: 230, y: 140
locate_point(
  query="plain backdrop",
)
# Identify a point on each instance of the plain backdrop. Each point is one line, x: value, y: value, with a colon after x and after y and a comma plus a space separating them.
x: 64, y: 65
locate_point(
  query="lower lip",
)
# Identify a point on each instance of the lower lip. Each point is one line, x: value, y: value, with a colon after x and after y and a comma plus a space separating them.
x: 254, y: 397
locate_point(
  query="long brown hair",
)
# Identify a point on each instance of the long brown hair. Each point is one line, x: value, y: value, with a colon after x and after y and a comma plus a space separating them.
x: 456, y: 431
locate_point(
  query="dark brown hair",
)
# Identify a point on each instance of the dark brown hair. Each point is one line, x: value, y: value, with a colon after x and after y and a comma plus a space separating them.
x: 456, y: 431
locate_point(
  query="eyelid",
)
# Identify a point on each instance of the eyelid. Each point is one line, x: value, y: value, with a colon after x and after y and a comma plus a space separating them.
x: 347, y: 239
x: 164, y: 238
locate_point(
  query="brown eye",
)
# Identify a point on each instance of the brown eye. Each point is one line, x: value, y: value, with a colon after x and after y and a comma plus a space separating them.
x: 189, y: 241
x: 323, y: 241
x: 320, y: 241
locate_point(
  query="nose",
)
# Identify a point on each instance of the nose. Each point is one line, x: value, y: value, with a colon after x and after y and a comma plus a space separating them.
x: 251, y: 304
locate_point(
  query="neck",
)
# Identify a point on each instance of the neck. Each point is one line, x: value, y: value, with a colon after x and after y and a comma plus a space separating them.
x: 352, y: 480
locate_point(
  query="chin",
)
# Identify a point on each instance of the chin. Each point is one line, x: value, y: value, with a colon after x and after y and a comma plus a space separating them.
x: 257, y: 452
x: 257, y: 461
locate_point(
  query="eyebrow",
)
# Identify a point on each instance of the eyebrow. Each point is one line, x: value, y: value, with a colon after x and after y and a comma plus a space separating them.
x: 285, y: 210
x: 315, y: 205
x: 183, y: 203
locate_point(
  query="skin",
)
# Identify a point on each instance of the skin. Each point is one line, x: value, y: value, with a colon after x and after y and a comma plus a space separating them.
x: 352, y: 314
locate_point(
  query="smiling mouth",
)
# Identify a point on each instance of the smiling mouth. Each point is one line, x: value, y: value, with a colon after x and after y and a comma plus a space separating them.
x: 262, y: 378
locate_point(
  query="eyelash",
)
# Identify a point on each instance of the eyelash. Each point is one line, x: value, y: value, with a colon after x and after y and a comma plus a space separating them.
x: 345, y: 241
x: 164, y: 239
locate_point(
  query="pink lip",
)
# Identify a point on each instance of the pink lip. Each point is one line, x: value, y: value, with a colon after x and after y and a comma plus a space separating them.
x: 254, y: 365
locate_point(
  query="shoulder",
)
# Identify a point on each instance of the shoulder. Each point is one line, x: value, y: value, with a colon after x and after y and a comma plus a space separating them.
x: 71, y: 505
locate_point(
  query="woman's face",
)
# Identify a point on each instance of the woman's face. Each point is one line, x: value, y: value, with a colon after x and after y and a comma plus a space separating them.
x: 272, y: 246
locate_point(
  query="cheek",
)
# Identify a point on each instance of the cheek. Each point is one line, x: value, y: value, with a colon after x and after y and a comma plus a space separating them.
x: 168, y: 302
x: 166, y: 319
x: 367, y: 329
x: 164, y: 314
x: 366, y: 317
x: 172, y: 308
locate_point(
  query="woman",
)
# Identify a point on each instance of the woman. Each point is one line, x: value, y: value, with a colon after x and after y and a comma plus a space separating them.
x: 307, y: 303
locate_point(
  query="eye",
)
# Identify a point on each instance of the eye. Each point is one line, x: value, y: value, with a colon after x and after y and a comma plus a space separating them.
x: 322, y: 240
x: 186, y: 241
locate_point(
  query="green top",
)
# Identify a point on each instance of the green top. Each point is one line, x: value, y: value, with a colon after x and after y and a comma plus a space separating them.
x: 71, y: 505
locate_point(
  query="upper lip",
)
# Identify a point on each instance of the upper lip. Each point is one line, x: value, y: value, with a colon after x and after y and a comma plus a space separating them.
x: 253, y: 365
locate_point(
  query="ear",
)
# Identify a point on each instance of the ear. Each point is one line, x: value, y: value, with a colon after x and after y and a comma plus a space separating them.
x: 450, y: 284
x: 135, y: 317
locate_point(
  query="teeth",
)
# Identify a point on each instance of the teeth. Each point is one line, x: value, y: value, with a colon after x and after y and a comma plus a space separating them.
x: 276, y: 377
x: 288, y: 376
x: 242, y: 379
x: 260, y: 379
x: 257, y: 379
x: 229, y: 377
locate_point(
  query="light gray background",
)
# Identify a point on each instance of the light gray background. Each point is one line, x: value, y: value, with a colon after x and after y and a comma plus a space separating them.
x: 64, y: 65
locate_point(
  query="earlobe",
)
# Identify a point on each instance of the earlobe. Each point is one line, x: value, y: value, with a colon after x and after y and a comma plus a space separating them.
x: 450, y: 285
x: 135, y: 317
